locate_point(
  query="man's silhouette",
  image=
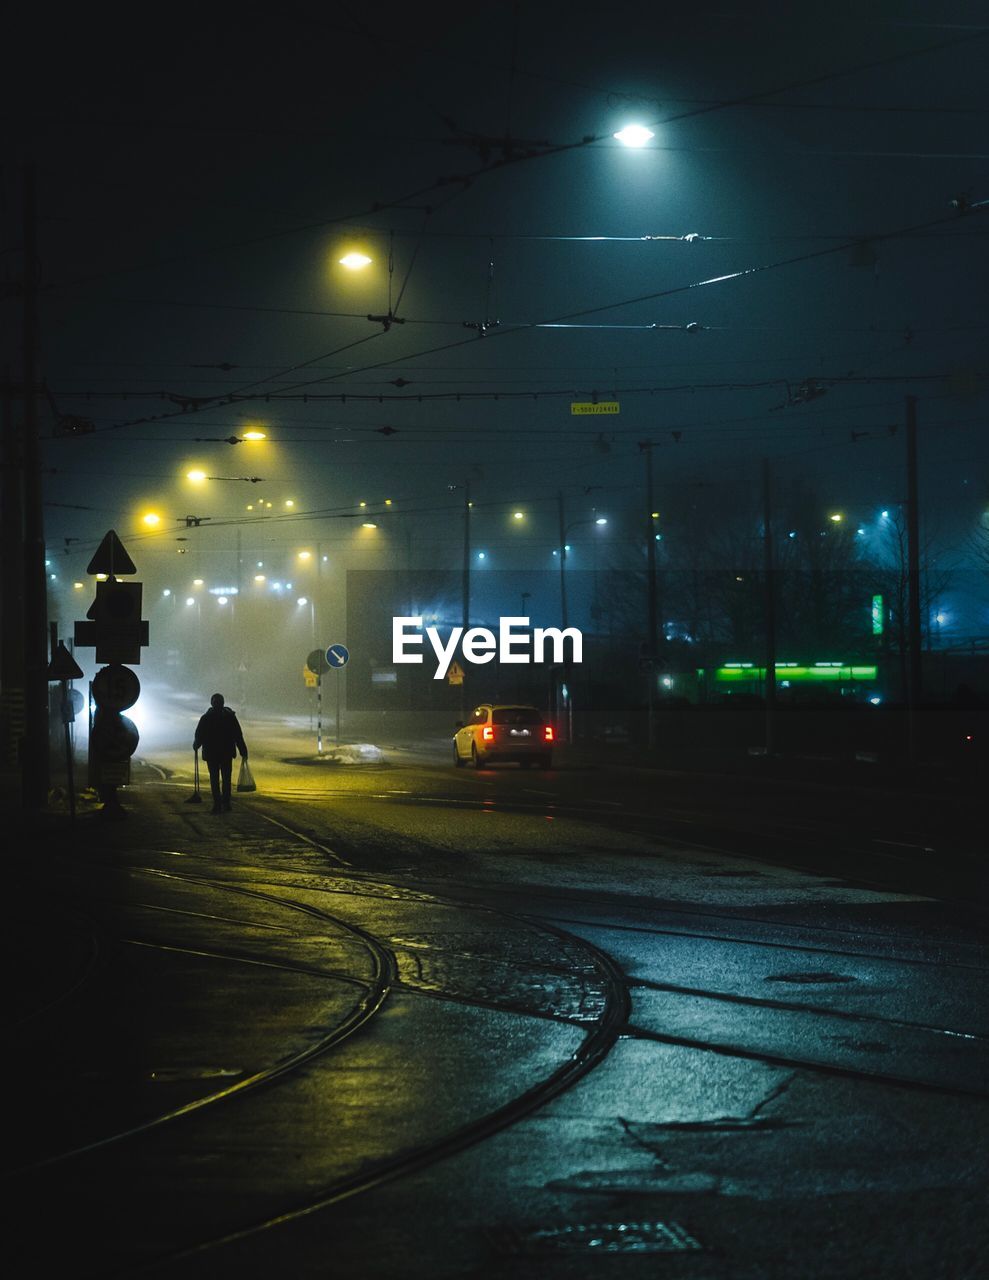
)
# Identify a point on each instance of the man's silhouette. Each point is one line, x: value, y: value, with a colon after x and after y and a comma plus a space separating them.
x: 219, y: 736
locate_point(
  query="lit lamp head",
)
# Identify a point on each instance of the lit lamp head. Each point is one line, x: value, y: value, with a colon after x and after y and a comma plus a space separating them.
x: 634, y: 135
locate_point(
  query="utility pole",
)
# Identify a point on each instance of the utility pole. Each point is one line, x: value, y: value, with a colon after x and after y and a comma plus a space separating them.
x: 914, y: 676
x: 652, y: 607
x: 317, y: 595
x: 769, y: 573
x: 566, y: 695
x: 466, y: 590
x: 241, y: 629
x: 563, y: 559
x: 35, y: 763
x: 11, y: 579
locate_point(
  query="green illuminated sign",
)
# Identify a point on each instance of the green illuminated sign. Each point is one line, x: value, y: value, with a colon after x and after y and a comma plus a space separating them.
x: 878, y: 616
x: 819, y: 672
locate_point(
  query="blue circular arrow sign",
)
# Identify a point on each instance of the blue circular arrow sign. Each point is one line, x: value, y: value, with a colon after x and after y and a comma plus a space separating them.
x: 338, y: 655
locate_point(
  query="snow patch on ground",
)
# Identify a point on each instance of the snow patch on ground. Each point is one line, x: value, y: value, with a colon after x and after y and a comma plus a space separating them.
x: 350, y: 753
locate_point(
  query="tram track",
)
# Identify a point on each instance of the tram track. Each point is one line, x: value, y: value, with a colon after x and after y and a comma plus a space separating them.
x: 904, y: 872
x: 375, y: 995
x: 804, y: 1010
x: 371, y: 884
x: 595, y: 1047
x: 617, y: 1021
x: 597, y: 1038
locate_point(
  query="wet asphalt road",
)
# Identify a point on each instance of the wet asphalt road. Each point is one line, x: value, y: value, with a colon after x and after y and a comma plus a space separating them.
x: 796, y: 1084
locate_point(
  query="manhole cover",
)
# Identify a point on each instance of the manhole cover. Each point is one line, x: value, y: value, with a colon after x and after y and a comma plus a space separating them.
x: 608, y: 1237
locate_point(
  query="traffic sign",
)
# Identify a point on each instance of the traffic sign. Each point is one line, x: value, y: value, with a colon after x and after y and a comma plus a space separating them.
x: 337, y: 656
x: 111, y: 558
x: 316, y: 662
x: 116, y: 688
x: 72, y: 704
x: 456, y: 673
x: 115, y: 737
x: 310, y: 677
x: 116, y: 628
x: 63, y: 666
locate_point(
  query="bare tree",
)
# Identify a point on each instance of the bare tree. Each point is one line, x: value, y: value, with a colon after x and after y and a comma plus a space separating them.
x: 823, y: 593
x: 889, y: 565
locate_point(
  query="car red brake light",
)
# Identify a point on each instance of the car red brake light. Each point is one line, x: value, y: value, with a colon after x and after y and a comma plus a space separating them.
x: 487, y: 733
x: 548, y: 733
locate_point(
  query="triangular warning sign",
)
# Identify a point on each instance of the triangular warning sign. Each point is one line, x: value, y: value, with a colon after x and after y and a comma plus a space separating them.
x: 111, y: 558
x: 63, y: 666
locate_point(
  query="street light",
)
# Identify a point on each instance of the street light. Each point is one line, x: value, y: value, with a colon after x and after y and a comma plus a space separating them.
x: 634, y: 135
x: 564, y: 548
x: 301, y: 603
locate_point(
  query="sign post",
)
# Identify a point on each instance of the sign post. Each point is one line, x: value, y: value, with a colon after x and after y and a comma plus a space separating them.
x: 118, y: 633
x: 337, y: 657
x: 316, y: 663
x: 64, y: 667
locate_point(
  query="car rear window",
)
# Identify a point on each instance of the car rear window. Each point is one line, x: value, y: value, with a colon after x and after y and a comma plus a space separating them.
x: 516, y: 715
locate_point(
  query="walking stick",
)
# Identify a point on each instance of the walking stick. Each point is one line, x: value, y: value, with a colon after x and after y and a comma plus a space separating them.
x: 195, y: 798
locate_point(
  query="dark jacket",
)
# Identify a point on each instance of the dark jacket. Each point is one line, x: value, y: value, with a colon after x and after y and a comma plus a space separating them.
x: 219, y: 736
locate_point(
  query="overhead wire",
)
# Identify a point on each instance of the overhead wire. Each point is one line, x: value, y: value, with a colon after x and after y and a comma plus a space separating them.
x: 552, y: 149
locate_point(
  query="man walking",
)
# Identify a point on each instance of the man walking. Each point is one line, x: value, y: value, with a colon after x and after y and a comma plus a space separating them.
x: 219, y: 736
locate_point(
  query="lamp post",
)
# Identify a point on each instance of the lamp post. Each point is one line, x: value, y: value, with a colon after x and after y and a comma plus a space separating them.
x: 465, y: 581
x: 564, y: 547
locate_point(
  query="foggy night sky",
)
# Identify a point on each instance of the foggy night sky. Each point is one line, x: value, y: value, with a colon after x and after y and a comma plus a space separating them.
x: 199, y: 175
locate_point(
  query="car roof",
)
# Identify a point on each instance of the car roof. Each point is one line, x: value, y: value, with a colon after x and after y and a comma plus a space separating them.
x: 510, y: 706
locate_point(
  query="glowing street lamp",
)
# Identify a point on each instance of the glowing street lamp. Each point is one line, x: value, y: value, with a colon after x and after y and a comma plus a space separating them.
x: 354, y: 261
x: 634, y: 135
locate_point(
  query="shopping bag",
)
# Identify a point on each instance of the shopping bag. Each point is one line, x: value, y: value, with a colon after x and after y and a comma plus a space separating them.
x: 245, y: 779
